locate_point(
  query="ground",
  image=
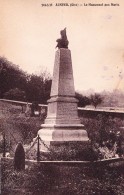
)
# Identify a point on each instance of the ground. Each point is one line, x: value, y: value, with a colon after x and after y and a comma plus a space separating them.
x: 39, y: 179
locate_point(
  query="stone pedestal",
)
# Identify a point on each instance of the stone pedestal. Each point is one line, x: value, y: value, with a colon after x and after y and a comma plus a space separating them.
x: 62, y: 123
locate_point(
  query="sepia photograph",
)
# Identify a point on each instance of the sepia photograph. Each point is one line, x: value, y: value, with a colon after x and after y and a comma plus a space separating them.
x: 61, y: 97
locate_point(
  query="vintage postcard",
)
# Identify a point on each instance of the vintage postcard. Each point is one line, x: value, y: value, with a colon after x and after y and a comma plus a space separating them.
x: 62, y: 97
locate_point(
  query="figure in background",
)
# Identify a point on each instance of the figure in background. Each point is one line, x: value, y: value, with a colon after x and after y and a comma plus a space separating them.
x: 28, y: 110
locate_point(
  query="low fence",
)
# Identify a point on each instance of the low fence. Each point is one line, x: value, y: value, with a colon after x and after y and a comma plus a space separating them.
x: 105, y: 162
x: 23, y: 104
x: 20, y: 102
x: 93, y: 113
x: 83, y: 112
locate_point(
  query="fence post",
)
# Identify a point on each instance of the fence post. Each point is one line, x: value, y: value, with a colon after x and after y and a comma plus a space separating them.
x: 38, y: 148
x: 4, y: 145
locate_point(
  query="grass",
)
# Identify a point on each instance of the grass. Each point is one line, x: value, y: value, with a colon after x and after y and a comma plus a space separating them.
x: 62, y: 180
x: 16, y: 126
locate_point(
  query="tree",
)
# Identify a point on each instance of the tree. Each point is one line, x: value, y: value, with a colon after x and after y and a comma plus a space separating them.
x: 35, y: 87
x: 15, y: 94
x: 38, y: 88
x: 96, y: 99
x: 83, y: 100
x: 11, y: 77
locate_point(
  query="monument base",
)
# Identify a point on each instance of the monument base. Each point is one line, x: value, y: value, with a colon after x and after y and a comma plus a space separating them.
x: 59, y: 134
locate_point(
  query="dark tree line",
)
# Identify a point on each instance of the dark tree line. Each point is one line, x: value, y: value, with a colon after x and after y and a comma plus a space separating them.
x: 83, y: 100
x: 11, y: 77
x: 15, y: 84
x: 94, y: 100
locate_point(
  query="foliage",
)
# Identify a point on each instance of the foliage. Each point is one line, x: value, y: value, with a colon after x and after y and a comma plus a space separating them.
x: 11, y: 77
x: 96, y: 99
x: 15, y: 94
x: 49, y: 179
x: 83, y: 100
x: 7, y: 146
x: 35, y: 179
x: 16, y: 126
x: 30, y: 87
x: 38, y: 88
x: 99, y: 127
x: 72, y: 151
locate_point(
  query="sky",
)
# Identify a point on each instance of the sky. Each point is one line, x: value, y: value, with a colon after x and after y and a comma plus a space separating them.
x: 28, y: 33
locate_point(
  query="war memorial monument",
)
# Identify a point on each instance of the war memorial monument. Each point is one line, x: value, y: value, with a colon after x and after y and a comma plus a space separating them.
x: 62, y: 124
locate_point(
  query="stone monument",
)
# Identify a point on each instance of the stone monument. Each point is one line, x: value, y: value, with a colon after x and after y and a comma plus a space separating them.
x: 62, y: 123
